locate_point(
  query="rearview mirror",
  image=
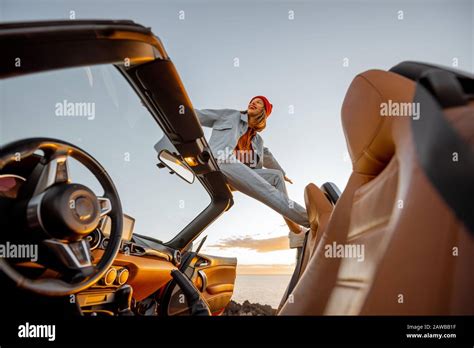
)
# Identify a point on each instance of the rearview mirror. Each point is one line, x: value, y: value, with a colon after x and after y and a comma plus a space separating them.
x: 176, y: 165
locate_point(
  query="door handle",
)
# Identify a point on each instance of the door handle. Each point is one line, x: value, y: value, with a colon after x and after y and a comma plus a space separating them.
x: 203, y: 276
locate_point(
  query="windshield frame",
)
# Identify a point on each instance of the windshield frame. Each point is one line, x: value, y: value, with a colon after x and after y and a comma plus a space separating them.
x: 127, y: 46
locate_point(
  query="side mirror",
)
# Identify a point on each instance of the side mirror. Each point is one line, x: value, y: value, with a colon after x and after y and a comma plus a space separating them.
x: 176, y: 165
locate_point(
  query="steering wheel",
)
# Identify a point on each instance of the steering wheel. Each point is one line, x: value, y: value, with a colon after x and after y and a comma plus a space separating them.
x: 60, y: 214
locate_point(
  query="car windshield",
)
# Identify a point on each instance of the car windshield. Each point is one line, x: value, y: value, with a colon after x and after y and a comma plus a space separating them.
x: 97, y: 110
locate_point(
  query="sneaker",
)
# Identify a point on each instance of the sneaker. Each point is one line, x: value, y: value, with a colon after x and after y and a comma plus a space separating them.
x: 297, y: 239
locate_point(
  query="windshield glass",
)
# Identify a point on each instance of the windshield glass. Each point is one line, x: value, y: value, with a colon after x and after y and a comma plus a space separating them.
x: 97, y: 110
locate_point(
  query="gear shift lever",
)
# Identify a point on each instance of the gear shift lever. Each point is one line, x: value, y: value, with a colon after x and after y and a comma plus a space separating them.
x: 123, y: 297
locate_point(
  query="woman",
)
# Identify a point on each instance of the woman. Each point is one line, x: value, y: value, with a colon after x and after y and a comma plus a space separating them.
x: 249, y: 166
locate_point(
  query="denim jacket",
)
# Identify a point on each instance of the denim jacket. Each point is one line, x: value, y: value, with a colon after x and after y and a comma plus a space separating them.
x: 227, y: 127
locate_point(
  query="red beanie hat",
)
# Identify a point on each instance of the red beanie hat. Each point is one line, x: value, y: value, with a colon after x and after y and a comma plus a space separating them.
x: 266, y: 103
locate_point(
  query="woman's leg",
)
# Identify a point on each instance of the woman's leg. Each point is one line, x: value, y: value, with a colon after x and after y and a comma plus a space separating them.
x: 252, y: 183
x: 276, y: 179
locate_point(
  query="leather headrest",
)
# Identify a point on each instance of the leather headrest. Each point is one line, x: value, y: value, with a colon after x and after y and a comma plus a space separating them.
x: 368, y: 133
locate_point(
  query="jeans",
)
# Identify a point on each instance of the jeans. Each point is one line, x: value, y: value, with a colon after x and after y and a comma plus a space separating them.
x: 266, y: 186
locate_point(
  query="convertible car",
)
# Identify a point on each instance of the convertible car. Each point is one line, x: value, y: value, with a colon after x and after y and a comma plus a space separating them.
x: 83, y: 105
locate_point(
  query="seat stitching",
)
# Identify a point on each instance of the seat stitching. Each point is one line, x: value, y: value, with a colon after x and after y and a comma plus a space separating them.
x: 380, y: 122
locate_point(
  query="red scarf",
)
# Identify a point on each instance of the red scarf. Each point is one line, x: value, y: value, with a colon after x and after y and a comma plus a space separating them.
x: 244, y: 150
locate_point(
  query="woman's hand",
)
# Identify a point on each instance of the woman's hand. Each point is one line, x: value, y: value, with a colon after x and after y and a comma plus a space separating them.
x: 287, y: 179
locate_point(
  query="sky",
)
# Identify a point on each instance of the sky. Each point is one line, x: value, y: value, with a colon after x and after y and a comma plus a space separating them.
x: 302, y: 55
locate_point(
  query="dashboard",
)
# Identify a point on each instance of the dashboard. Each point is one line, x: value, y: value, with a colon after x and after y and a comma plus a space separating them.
x: 131, y: 244
x: 127, y: 231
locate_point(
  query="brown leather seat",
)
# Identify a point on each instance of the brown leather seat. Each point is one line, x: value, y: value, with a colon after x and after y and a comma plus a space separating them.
x: 417, y: 256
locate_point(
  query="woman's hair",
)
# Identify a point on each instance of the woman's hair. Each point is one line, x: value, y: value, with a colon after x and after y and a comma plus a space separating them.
x: 259, y: 122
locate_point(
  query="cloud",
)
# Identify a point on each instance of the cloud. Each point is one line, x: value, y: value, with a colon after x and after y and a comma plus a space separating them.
x: 259, y: 245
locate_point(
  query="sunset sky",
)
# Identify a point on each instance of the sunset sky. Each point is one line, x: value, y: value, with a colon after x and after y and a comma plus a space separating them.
x: 298, y: 64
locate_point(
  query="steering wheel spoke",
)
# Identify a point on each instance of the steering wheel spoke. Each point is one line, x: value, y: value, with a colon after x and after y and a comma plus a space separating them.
x: 55, y: 171
x: 73, y: 255
x: 105, y: 206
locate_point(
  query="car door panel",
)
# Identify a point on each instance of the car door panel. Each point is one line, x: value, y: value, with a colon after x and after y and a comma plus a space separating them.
x: 213, y: 276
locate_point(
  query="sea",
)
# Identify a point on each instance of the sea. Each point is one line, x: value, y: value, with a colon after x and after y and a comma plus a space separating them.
x: 264, y: 289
